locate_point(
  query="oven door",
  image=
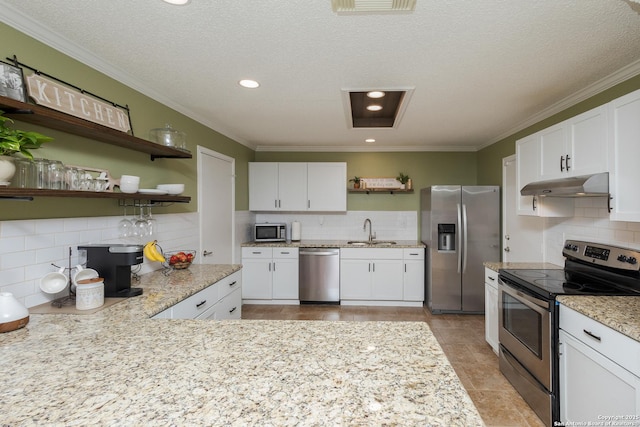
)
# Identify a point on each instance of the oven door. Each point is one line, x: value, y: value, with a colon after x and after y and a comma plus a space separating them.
x: 525, y: 330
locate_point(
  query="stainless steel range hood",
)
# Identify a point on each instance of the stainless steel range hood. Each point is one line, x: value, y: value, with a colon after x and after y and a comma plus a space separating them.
x: 577, y: 186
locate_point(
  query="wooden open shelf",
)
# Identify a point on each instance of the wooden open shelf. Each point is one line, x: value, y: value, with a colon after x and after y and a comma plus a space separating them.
x: 30, y: 193
x: 379, y: 190
x: 36, y: 114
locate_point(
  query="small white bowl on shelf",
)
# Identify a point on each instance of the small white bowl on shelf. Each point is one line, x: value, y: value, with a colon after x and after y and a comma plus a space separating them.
x: 173, y: 189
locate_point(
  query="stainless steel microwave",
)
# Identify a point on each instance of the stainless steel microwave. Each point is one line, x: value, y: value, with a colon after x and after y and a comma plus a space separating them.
x: 270, y: 232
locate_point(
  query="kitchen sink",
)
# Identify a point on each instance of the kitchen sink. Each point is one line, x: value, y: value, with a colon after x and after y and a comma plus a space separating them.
x: 367, y: 243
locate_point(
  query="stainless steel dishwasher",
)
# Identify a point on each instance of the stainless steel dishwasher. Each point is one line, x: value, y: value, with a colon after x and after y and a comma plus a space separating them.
x: 319, y: 275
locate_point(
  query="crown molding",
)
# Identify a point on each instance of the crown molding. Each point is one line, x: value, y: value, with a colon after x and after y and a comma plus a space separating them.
x: 623, y: 74
x: 363, y: 148
x: 44, y: 34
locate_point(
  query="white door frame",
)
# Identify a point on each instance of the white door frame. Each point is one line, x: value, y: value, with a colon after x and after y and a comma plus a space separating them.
x: 201, y: 195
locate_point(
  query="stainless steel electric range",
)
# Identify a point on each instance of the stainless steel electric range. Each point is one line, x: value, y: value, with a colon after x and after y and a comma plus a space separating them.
x: 528, y: 315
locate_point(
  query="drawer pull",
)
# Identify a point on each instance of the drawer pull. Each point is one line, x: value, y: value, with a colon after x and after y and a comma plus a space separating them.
x: 285, y: 253
x: 233, y: 309
x: 256, y: 253
x: 492, y: 278
x: 595, y: 337
x: 233, y: 283
x: 201, y: 304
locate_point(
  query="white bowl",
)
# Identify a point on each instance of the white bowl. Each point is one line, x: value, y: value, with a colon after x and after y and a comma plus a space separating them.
x: 53, y: 283
x: 173, y: 189
x: 129, y: 188
x: 84, y: 273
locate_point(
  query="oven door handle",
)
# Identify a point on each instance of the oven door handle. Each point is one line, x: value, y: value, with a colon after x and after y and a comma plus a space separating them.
x: 536, y: 304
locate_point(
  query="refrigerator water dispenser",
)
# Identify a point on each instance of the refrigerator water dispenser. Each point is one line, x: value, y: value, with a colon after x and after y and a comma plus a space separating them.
x: 446, y: 237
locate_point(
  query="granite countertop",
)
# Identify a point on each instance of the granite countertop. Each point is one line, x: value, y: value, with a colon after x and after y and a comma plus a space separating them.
x: 620, y: 313
x: 336, y: 244
x: 497, y: 265
x: 119, y: 367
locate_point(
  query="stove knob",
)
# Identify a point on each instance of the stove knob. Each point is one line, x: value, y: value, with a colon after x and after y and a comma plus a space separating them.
x: 570, y: 247
x: 622, y: 258
x: 632, y: 260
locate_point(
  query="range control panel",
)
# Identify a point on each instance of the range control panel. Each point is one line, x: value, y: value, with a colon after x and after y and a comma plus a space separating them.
x: 601, y: 254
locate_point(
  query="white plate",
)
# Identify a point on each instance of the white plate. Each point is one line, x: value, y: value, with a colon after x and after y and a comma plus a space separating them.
x: 151, y: 191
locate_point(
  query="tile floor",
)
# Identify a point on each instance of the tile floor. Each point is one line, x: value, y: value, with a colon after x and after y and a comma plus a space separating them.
x: 461, y: 338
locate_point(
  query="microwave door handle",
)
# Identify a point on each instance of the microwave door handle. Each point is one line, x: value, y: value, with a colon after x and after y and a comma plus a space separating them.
x: 459, y: 239
x: 464, y: 236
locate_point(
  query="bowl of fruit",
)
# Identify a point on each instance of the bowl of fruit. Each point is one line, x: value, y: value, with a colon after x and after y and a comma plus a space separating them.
x: 180, y: 259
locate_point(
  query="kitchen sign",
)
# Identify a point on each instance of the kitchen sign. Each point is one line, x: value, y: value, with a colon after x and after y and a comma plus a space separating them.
x: 52, y: 94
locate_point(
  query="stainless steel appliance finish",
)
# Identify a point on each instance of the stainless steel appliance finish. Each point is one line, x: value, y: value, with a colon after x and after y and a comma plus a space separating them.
x: 460, y: 225
x: 270, y: 232
x: 319, y: 277
x: 577, y: 186
x: 528, y: 315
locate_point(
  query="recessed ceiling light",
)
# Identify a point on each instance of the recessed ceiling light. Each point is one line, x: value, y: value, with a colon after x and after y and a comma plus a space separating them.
x: 177, y: 2
x: 369, y: 140
x: 375, y: 94
x: 374, y: 107
x: 251, y: 84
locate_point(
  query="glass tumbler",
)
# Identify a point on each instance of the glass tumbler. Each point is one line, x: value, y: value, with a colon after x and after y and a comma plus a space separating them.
x: 41, y: 179
x: 25, y: 174
x: 56, y: 175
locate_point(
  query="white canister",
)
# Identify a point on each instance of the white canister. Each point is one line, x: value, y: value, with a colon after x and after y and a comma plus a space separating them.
x: 13, y: 315
x: 295, y: 231
x: 90, y: 293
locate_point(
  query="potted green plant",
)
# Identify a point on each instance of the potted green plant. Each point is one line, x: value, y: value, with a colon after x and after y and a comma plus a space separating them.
x: 356, y: 181
x: 404, y: 180
x: 12, y: 142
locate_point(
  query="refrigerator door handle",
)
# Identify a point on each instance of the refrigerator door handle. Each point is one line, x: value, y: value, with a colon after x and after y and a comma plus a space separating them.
x: 464, y: 233
x: 459, y: 238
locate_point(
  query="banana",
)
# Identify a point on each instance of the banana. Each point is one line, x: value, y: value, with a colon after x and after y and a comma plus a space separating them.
x: 152, y: 253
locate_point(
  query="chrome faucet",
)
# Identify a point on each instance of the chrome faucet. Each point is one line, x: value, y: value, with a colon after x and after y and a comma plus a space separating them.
x: 364, y: 227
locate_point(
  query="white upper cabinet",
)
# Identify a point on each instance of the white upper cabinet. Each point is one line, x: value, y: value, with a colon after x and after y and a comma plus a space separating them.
x: 297, y: 186
x: 575, y: 147
x: 292, y: 186
x: 528, y: 165
x: 326, y: 186
x: 624, y: 152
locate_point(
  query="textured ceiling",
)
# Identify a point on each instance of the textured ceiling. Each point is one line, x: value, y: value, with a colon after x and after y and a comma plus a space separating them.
x: 479, y: 70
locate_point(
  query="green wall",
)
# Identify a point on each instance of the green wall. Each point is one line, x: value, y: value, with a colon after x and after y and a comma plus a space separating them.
x: 424, y: 169
x: 146, y: 114
x: 490, y: 158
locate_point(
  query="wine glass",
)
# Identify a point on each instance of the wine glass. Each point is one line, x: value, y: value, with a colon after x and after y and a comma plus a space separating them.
x: 152, y: 223
x: 140, y: 226
x: 125, y: 226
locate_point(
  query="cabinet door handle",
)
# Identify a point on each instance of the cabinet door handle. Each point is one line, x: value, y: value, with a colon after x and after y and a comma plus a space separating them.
x: 232, y: 310
x: 592, y: 335
x: 308, y: 204
x: 201, y: 304
x: 374, y: 267
x: 567, y: 163
x: 405, y: 268
x: 269, y: 266
x: 274, y: 266
x: 369, y: 267
x: 233, y: 283
x: 533, y: 203
x: 561, y: 164
x: 275, y: 203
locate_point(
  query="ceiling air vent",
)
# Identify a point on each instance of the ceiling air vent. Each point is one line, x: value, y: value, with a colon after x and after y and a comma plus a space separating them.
x: 372, y: 6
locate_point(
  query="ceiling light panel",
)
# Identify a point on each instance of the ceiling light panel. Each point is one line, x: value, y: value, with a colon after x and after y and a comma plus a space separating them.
x: 372, y: 6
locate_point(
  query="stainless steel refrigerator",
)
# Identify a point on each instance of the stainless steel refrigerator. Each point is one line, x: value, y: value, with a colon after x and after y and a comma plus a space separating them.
x: 460, y: 225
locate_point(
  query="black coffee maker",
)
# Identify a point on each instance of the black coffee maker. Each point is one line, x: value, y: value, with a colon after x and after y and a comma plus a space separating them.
x: 113, y: 263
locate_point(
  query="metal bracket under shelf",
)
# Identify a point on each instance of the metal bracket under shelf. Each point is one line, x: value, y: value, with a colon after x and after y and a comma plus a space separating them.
x: 142, y: 203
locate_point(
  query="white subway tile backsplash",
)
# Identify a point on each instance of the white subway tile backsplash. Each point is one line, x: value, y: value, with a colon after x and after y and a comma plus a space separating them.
x: 28, y: 248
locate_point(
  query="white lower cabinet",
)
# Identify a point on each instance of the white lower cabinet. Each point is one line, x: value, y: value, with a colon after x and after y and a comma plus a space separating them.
x: 270, y: 274
x: 381, y: 276
x: 413, y: 281
x: 491, y: 308
x: 211, y: 302
x: 599, y: 372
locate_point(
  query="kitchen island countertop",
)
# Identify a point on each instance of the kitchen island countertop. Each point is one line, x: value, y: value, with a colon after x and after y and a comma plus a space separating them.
x: 119, y: 367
